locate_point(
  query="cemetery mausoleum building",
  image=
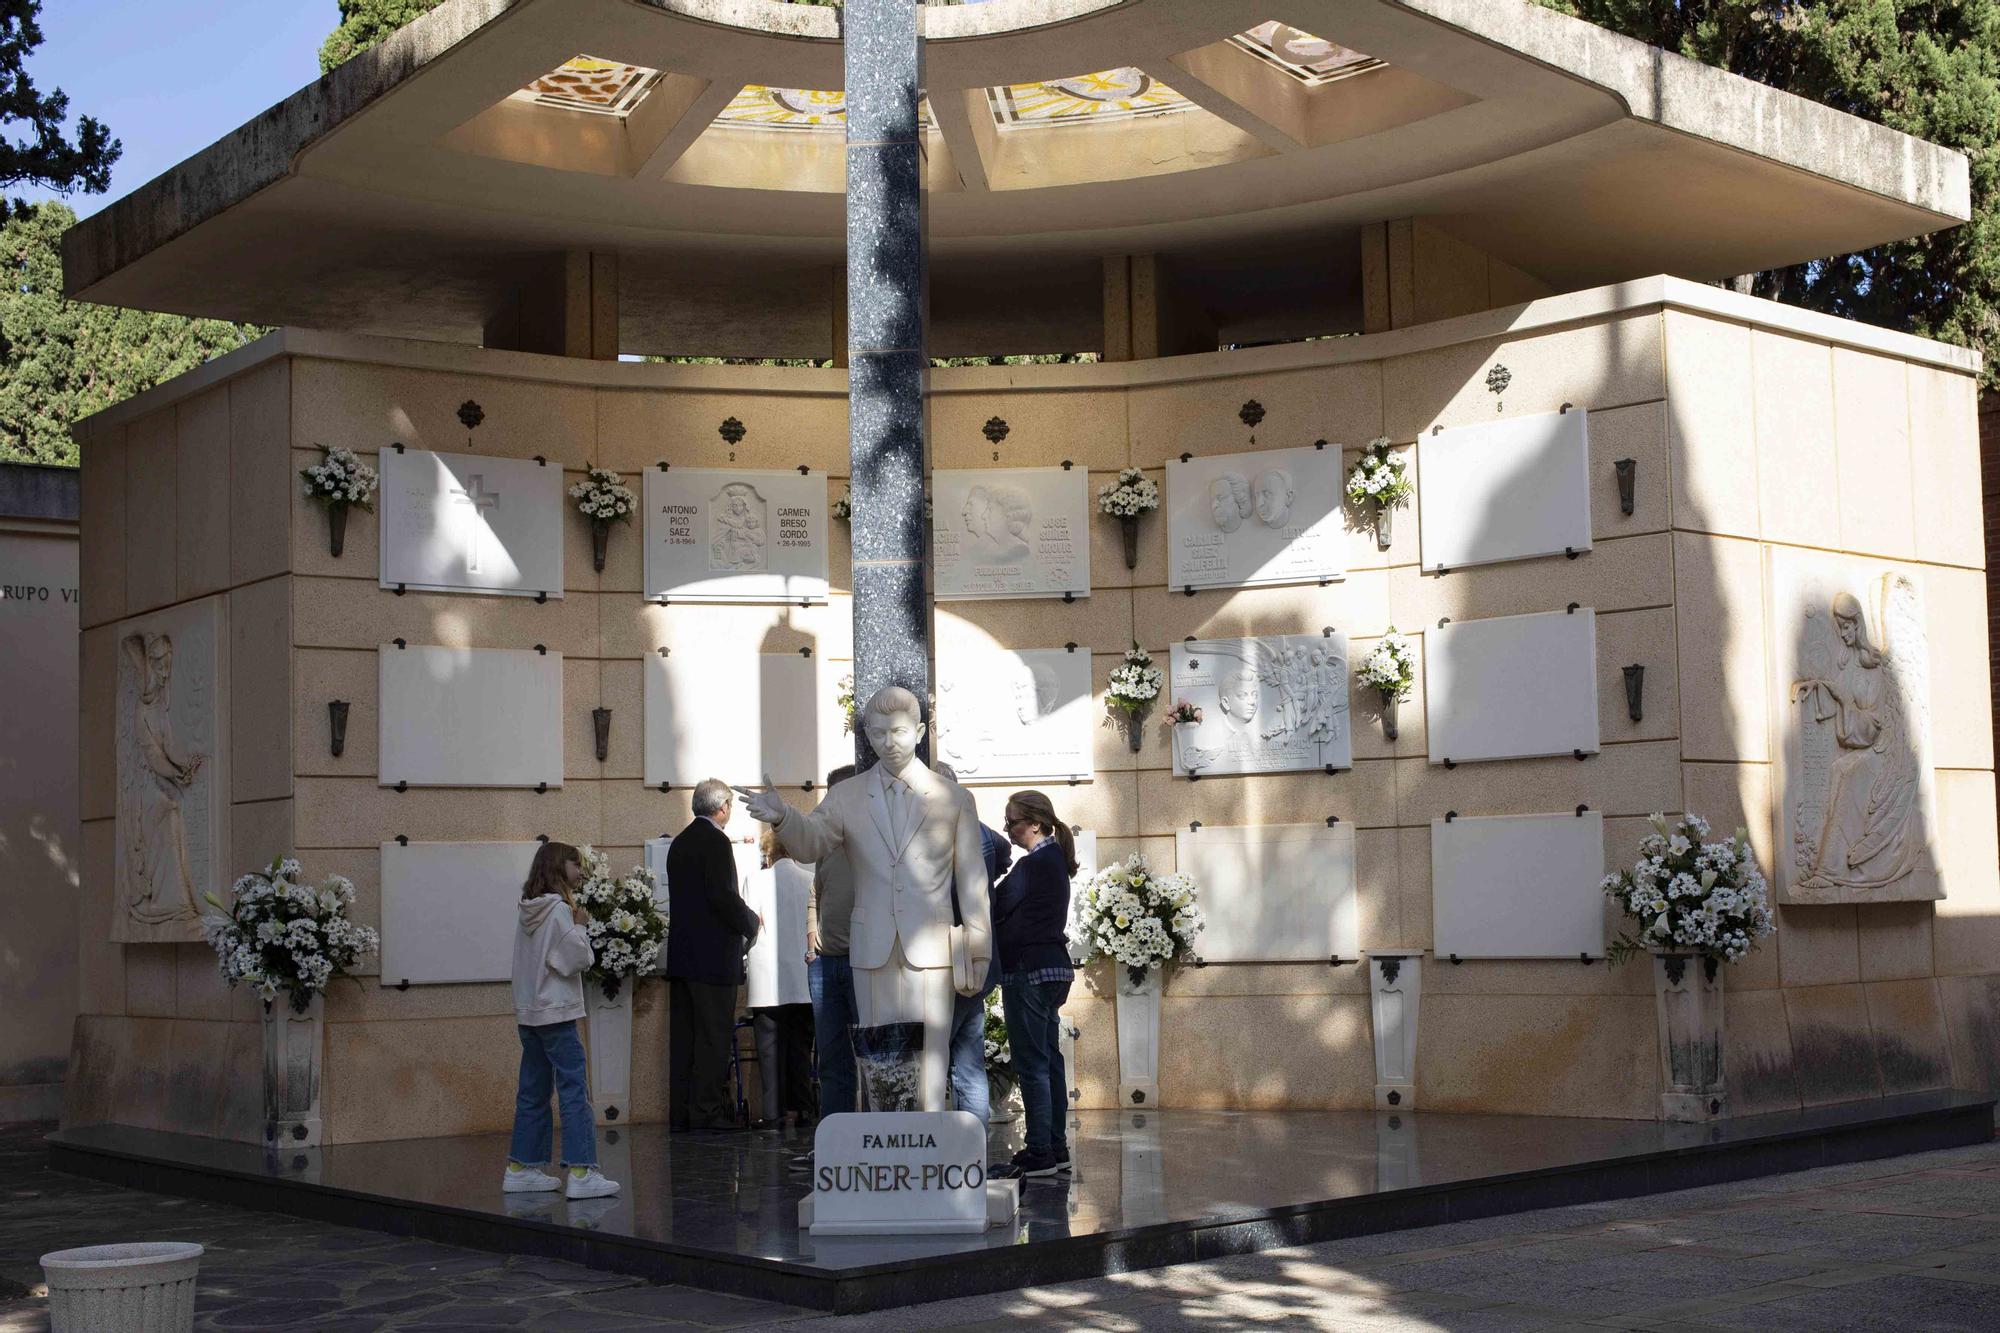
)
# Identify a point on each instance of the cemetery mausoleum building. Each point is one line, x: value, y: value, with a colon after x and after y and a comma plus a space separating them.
x: 1669, y: 548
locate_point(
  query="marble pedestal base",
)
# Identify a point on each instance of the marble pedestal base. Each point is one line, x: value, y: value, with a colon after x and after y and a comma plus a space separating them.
x: 1395, y: 984
x: 1687, y: 992
x: 1138, y: 1037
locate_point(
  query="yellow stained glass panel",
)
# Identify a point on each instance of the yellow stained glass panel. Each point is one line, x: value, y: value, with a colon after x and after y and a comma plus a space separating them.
x: 1111, y: 94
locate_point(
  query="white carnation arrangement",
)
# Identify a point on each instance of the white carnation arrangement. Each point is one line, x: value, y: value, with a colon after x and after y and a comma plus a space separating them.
x: 844, y: 700
x: 1380, y: 475
x: 999, y: 1051
x: 1391, y: 667
x: 340, y: 479
x: 282, y: 935
x: 603, y: 494
x: 843, y: 508
x: 1691, y: 896
x: 1135, y: 917
x: 1135, y: 683
x: 627, y: 926
x: 1133, y: 494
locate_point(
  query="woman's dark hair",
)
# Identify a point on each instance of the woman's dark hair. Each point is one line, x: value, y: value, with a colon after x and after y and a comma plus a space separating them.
x: 1032, y: 805
x: 546, y: 876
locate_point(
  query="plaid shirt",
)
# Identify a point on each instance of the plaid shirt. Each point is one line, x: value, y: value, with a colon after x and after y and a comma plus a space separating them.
x: 1043, y: 975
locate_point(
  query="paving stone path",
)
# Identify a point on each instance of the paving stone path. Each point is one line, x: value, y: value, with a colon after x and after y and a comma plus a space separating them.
x: 1907, y: 1243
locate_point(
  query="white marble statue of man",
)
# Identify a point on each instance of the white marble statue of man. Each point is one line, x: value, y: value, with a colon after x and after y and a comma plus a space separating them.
x: 908, y: 832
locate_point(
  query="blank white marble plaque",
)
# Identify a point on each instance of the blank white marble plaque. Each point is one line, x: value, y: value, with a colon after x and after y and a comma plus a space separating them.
x: 1015, y: 715
x: 469, y: 717
x: 449, y: 910
x: 1237, y: 520
x: 1086, y: 857
x: 1506, y: 489
x: 735, y: 716
x: 735, y: 535
x: 1512, y: 687
x: 1272, y: 705
x: 1518, y: 886
x: 1275, y: 893
x: 1011, y: 532
x: 471, y: 523
x: 775, y: 967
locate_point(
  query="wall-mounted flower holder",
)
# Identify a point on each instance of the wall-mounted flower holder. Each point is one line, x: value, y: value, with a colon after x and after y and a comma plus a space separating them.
x: 600, y: 724
x: 1635, y: 692
x: 1384, y: 526
x: 1390, y: 705
x: 1628, y: 475
x: 600, y: 542
x: 336, y: 528
x: 336, y: 714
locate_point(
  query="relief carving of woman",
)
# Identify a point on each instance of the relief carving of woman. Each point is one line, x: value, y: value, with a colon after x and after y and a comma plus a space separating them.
x: 1869, y: 832
x: 154, y: 774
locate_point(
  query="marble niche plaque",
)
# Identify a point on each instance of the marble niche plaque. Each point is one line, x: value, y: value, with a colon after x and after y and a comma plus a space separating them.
x: 469, y: 717
x: 742, y: 845
x: 741, y: 717
x: 1856, y: 816
x: 448, y: 910
x: 735, y: 535
x: 1238, y: 520
x: 1011, y: 532
x: 1518, y: 886
x: 1506, y: 489
x: 1275, y: 893
x: 1269, y: 705
x: 775, y: 968
x: 471, y: 523
x: 1512, y: 687
x: 1015, y: 715
x: 172, y: 765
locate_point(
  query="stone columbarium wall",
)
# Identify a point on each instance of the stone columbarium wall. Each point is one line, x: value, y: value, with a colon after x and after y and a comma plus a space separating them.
x: 1757, y: 433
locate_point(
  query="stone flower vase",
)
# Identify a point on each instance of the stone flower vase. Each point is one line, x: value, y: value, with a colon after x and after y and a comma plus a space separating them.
x: 1135, y: 729
x: 1003, y: 1099
x: 610, y: 1050
x: 600, y: 541
x: 293, y: 1048
x: 336, y: 527
x: 1385, y: 519
x: 1138, y: 1035
x: 1128, y: 528
x: 1184, y: 741
x: 1687, y: 994
x: 1390, y: 705
x: 888, y: 1066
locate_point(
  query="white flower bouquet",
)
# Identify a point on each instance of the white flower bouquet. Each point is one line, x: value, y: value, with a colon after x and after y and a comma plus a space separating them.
x: 1133, y: 494
x: 1690, y: 896
x: 602, y: 495
x: 999, y: 1054
x: 281, y: 935
x: 1391, y: 667
x: 1135, y: 683
x: 627, y: 926
x: 844, y: 700
x: 339, y: 479
x: 1135, y: 917
x: 1379, y: 475
x: 843, y: 508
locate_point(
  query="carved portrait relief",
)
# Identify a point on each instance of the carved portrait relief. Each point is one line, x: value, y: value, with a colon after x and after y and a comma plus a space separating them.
x: 1269, y: 705
x: 1856, y: 820
x: 996, y: 520
x: 737, y: 529
x: 172, y: 798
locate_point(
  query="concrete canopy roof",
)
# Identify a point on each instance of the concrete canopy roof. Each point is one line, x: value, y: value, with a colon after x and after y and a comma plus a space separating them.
x: 401, y: 192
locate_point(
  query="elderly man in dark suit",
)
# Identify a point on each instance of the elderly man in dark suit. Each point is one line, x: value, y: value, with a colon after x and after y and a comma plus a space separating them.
x: 710, y: 930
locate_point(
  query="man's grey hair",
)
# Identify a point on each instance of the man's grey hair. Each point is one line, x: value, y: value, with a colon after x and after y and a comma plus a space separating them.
x: 710, y: 795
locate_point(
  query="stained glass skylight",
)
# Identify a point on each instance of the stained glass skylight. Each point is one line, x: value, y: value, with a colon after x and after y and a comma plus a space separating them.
x: 1309, y: 59
x: 587, y: 83
x: 1111, y: 94
x: 762, y: 107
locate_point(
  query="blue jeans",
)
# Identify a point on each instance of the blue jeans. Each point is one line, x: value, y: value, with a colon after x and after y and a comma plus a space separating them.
x: 968, y: 1048
x: 551, y: 1054
x: 1034, y: 1031
x: 832, y: 983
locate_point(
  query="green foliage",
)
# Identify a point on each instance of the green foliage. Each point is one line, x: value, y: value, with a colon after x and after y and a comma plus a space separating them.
x: 1930, y: 68
x: 44, y: 156
x: 365, y: 23
x: 61, y: 360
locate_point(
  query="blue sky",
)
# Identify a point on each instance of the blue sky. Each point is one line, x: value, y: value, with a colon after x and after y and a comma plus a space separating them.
x: 169, y: 77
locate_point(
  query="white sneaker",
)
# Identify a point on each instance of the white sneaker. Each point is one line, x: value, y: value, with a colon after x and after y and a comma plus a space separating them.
x: 590, y: 1185
x: 529, y: 1181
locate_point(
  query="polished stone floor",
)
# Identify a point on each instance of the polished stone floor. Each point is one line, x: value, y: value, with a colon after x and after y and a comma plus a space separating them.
x: 1896, y: 1244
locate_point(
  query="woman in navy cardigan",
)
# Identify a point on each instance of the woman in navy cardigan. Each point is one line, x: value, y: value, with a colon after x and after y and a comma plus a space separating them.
x: 1030, y: 928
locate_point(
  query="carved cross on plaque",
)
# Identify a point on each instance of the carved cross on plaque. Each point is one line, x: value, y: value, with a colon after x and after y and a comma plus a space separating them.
x: 474, y: 493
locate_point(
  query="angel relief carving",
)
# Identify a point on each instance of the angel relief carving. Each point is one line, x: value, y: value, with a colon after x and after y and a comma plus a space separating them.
x: 1859, y: 798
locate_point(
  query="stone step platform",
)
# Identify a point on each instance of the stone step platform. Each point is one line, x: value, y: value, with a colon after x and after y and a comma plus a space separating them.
x: 719, y: 1211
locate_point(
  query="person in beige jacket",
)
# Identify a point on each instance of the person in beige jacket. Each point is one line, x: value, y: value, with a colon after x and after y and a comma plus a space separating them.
x: 907, y: 832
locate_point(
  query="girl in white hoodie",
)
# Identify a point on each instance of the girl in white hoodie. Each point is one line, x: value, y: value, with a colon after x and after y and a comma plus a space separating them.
x: 550, y: 955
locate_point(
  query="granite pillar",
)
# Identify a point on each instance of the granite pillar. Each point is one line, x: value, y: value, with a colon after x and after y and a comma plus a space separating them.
x: 888, y: 372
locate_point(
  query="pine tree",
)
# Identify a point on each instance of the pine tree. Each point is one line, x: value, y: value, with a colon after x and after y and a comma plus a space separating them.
x: 45, y: 156
x: 365, y: 23
x: 1930, y: 68
x: 62, y: 360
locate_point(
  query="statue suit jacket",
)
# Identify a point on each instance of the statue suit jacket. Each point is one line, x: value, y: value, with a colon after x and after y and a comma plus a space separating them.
x: 902, y: 891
